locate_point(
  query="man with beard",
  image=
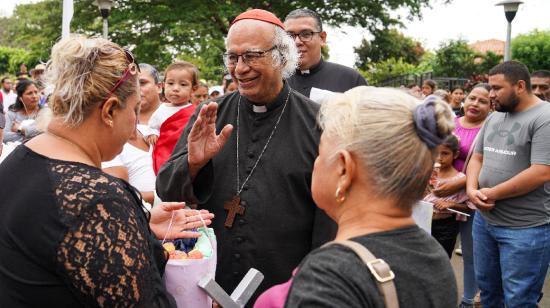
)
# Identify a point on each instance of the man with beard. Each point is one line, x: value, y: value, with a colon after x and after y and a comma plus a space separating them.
x: 508, y: 181
x: 315, y: 74
x: 540, y: 83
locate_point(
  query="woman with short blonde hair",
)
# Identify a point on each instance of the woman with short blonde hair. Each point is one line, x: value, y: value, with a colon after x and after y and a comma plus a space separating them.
x: 71, y: 235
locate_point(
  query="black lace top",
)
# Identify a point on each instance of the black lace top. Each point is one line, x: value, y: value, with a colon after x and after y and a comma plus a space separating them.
x: 72, y: 236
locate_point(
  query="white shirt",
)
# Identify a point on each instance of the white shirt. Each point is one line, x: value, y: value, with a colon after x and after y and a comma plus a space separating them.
x: 139, y: 164
x: 9, y: 99
x: 163, y: 112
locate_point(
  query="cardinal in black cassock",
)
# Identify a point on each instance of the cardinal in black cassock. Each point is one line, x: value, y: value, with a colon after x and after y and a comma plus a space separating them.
x: 265, y: 216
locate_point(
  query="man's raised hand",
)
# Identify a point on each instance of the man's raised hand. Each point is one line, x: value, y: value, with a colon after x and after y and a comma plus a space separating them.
x: 203, y: 143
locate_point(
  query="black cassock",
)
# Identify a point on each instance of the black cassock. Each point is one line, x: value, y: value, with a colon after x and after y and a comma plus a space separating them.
x: 326, y: 76
x: 281, y: 223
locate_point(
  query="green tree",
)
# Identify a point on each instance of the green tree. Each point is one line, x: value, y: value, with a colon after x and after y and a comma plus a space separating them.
x: 387, y: 69
x: 488, y: 61
x: 158, y: 31
x: 455, y: 58
x: 12, y: 58
x: 34, y: 27
x: 387, y: 44
x: 532, y: 49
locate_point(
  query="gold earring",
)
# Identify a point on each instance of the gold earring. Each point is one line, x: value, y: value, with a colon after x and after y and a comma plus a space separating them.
x: 110, y: 123
x: 340, y: 197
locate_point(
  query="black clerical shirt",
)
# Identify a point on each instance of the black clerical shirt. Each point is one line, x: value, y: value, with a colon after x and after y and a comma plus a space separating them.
x: 326, y: 76
x: 281, y: 223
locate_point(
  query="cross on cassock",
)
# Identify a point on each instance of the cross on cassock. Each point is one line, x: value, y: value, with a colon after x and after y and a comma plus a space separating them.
x: 233, y: 208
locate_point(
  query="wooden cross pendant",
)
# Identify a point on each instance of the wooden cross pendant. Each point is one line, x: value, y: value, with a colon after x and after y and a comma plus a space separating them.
x: 233, y: 208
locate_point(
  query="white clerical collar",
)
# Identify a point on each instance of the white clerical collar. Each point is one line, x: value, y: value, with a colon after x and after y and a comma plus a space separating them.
x: 305, y: 72
x: 259, y: 109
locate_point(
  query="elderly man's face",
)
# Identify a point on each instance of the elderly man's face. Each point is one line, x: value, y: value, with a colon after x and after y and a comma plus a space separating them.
x: 259, y: 81
x: 310, y: 48
x: 541, y: 87
x: 149, y: 91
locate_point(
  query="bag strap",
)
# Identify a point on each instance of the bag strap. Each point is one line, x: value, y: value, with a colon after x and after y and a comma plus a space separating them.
x: 378, y: 268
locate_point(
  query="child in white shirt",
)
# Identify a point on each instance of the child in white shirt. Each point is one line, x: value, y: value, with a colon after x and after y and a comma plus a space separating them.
x: 180, y: 80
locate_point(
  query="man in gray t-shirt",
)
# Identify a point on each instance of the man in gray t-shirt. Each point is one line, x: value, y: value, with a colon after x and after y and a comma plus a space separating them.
x: 508, y: 181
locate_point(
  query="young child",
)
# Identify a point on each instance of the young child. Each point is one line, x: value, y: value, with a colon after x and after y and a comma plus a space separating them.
x: 445, y: 225
x: 180, y: 80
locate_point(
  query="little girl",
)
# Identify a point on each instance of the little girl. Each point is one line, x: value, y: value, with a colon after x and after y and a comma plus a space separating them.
x: 180, y: 80
x: 445, y: 226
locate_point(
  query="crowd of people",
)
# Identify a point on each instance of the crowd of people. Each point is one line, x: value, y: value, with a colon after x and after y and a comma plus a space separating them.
x: 303, y: 171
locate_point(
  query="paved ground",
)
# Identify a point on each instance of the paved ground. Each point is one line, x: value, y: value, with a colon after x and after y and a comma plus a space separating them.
x: 456, y: 261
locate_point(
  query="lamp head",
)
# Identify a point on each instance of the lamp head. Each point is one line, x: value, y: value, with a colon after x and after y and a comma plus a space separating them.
x: 104, y: 7
x: 510, y: 8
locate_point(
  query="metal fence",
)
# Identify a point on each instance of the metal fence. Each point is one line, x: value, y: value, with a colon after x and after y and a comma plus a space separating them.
x: 446, y: 83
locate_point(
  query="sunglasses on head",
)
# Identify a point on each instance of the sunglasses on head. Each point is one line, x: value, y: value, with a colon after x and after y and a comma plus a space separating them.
x: 131, y: 70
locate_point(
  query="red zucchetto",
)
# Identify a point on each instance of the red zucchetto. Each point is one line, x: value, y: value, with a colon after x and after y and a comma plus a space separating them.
x: 261, y: 15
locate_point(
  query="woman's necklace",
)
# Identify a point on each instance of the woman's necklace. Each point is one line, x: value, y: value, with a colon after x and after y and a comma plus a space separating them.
x: 74, y: 145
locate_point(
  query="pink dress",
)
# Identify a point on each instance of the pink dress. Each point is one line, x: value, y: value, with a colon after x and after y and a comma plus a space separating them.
x: 466, y: 137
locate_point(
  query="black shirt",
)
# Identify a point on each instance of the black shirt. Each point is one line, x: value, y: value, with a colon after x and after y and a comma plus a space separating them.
x: 281, y: 223
x: 72, y: 236
x: 326, y: 76
x: 335, y: 276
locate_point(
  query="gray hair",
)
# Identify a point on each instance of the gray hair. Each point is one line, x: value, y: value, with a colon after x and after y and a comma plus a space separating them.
x: 300, y: 13
x: 287, y: 57
x: 151, y: 70
x: 377, y: 126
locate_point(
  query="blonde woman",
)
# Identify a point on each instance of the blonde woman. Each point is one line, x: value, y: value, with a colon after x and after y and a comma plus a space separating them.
x: 375, y: 158
x: 71, y: 235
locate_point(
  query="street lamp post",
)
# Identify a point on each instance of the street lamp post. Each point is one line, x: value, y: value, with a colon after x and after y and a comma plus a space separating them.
x: 104, y: 8
x: 510, y: 10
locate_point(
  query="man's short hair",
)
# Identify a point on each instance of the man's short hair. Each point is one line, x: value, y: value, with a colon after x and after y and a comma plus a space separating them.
x: 513, y: 72
x: 541, y: 74
x: 151, y: 70
x: 299, y: 13
x: 4, y: 79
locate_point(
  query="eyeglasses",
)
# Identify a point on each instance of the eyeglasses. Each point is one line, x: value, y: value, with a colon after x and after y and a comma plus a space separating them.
x: 305, y: 36
x: 131, y: 70
x: 250, y: 58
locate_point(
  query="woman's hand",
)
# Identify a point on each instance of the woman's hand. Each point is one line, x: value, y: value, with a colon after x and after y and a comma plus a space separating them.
x: 15, y: 127
x: 184, y: 219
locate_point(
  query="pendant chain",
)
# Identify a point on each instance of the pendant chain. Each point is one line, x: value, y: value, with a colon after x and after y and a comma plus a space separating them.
x: 239, y: 186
